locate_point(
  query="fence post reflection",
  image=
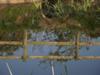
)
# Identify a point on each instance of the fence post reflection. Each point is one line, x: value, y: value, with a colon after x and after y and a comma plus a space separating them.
x: 25, y: 55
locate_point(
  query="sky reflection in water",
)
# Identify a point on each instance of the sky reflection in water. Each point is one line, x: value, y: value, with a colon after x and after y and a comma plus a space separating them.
x: 43, y: 67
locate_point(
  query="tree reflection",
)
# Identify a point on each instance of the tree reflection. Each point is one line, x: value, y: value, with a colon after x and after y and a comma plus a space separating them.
x: 6, y: 50
x: 53, y: 64
x: 57, y: 37
x: 62, y: 50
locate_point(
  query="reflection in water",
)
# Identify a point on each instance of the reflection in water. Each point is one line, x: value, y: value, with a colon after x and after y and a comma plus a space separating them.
x: 89, y: 18
x: 10, y: 72
x: 65, y: 69
x: 44, y: 36
x: 45, y: 50
x: 52, y: 67
x: 54, y: 36
x: 8, y: 50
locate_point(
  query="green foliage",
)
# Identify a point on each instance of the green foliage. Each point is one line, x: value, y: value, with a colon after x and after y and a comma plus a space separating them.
x: 82, y: 5
x: 19, y: 17
x: 82, y: 11
x: 89, y: 19
x: 59, y: 9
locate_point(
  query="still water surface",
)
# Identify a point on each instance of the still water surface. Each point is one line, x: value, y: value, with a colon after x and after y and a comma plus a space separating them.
x: 44, y: 67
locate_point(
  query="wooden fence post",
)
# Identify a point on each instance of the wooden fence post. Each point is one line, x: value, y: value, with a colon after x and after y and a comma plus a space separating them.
x: 25, y: 55
x: 77, y: 46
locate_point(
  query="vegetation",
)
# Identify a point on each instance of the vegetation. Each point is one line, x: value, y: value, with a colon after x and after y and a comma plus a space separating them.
x: 63, y: 18
x: 18, y: 17
x: 59, y: 15
x: 78, y: 15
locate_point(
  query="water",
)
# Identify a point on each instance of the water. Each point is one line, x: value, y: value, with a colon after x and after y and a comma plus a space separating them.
x: 45, y: 67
